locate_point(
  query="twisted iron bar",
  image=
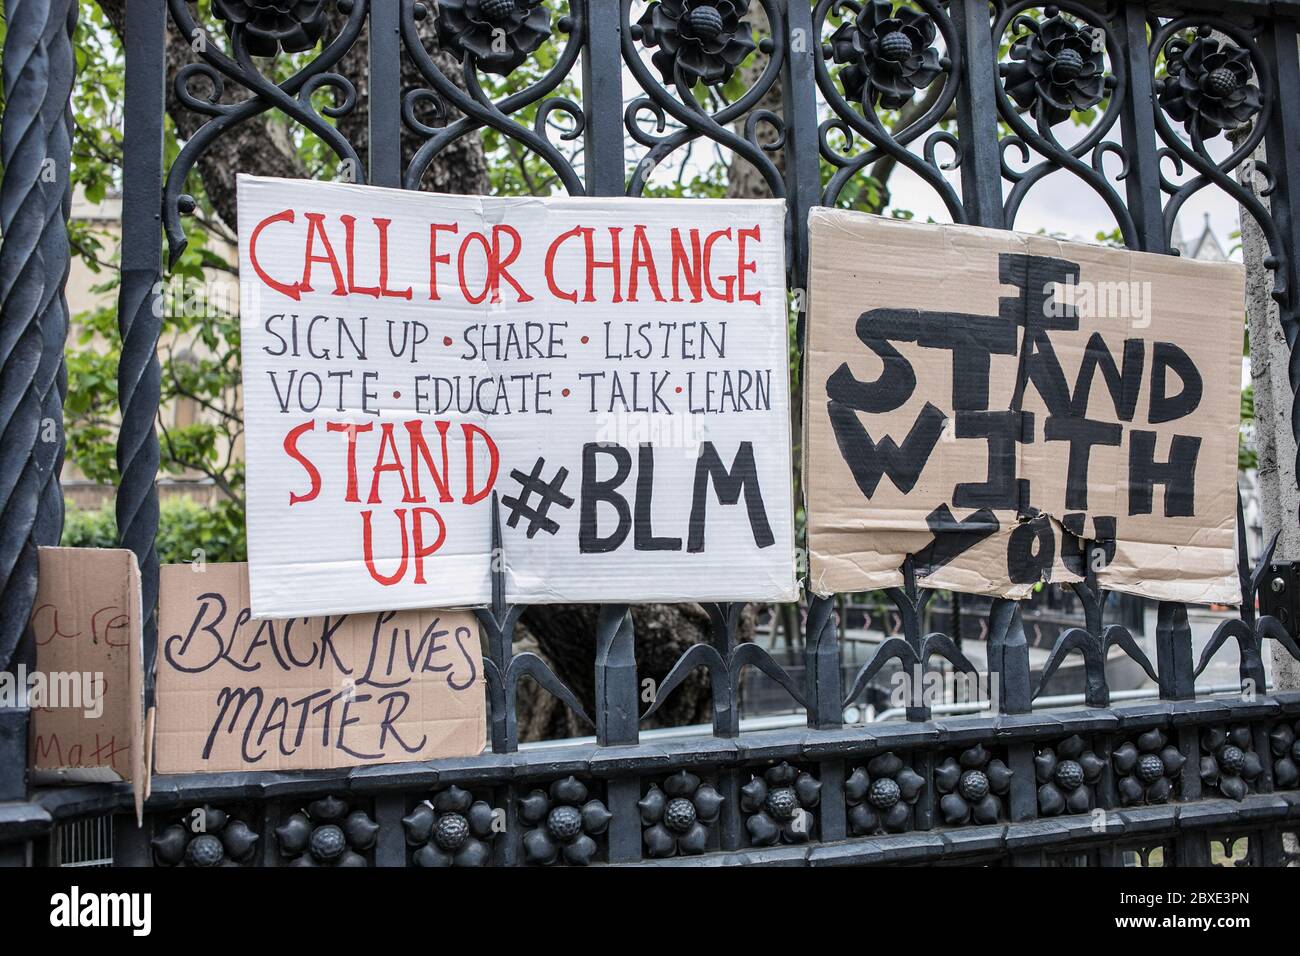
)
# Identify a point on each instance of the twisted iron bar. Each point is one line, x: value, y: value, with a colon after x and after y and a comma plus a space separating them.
x: 35, y: 198
x: 139, y: 316
x: 53, y: 373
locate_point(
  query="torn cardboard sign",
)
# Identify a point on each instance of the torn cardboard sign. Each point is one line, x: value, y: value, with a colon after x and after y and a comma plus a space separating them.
x: 613, y: 371
x: 87, y: 690
x: 1005, y: 407
x: 308, y: 693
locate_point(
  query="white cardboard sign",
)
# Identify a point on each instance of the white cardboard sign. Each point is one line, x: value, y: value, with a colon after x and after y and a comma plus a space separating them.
x: 614, y: 371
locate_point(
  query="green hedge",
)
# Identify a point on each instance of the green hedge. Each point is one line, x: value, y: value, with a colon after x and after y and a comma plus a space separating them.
x: 184, y: 526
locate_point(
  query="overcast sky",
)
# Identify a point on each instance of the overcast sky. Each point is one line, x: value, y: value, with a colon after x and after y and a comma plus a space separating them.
x: 1063, y: 203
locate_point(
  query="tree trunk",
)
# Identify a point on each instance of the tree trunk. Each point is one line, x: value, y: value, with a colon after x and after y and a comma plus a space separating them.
x: 745, y: 181
x: 1275, y: 444
x: 255, y: 146
x: 565, y: 635
x: 461, y: 166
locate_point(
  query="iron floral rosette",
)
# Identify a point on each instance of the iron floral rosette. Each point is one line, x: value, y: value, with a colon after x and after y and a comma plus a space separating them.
x: 500, y: 33
x: 1056, y: 66
x: 705, y: 39
x: 270, y: 26
x: 889, y: 52
x: 1148, y: 772
x: 1207, y: 85
x: 678, y: 817
x: 452, y: 829
x: 972, y: 785
x: 881, y: 795
x: 1066, y: 774
x: 1284, y: 742
x: 779, y: 804
x: 221, y: 840
x: 563, y: 823
x: 1228, y: 762
x: 326, y: 834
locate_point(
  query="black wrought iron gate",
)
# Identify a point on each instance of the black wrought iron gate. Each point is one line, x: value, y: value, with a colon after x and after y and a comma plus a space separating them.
x: 1160, y: 782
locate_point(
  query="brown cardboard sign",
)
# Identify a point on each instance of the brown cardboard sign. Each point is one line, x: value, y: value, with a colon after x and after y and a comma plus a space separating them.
x: 308, y: 693
x: 87, y: 690
x: 1005, y: 408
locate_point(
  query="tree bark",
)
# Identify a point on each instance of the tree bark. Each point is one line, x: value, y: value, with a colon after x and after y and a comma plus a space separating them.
x: 461, y: 166
x: 262, y: 147
x: 745, y: 181
x: 253, y: 146
x: 1275, y: 444
x: 565, y: 635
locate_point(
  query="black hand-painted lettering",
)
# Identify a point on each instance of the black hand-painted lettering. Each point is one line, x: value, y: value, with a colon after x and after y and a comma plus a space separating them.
x: 1082, y: 434
x: 595, y: 490
x: 952, y: 538
x: 1178, y: 474
x: 1003, y: 431
x: 1165, y: 407
x: 728, y: 485
x: 868, y: 460
x: 643, y: 535
x: 1031, y: 550
x: 1123, y: 386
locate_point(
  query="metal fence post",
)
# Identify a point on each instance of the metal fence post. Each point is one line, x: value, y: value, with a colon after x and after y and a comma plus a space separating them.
x: 617, y: 710
x: 35, y: 198
x: 1137, y: 125
x: 602, y: 99
x: 1008, y: 652
x: 802, y: 162
x: 384, y: 56
x: 617, y: 716
x: 823, y: 686
x: 1174, y: 664
x: 139, y: 375
x: 977, y: 111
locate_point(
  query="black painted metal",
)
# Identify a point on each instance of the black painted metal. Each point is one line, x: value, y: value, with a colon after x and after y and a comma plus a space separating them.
x: 1138, y: 129
x: 1094, y: 640
x: 602, y: 100
x: 1279, y: 595
x: 139, y: 376
x: 385, y: 57
x: 1174, y: 652
x: 1163, y: 773
x: 35, y: 200
x: 981, y: 180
